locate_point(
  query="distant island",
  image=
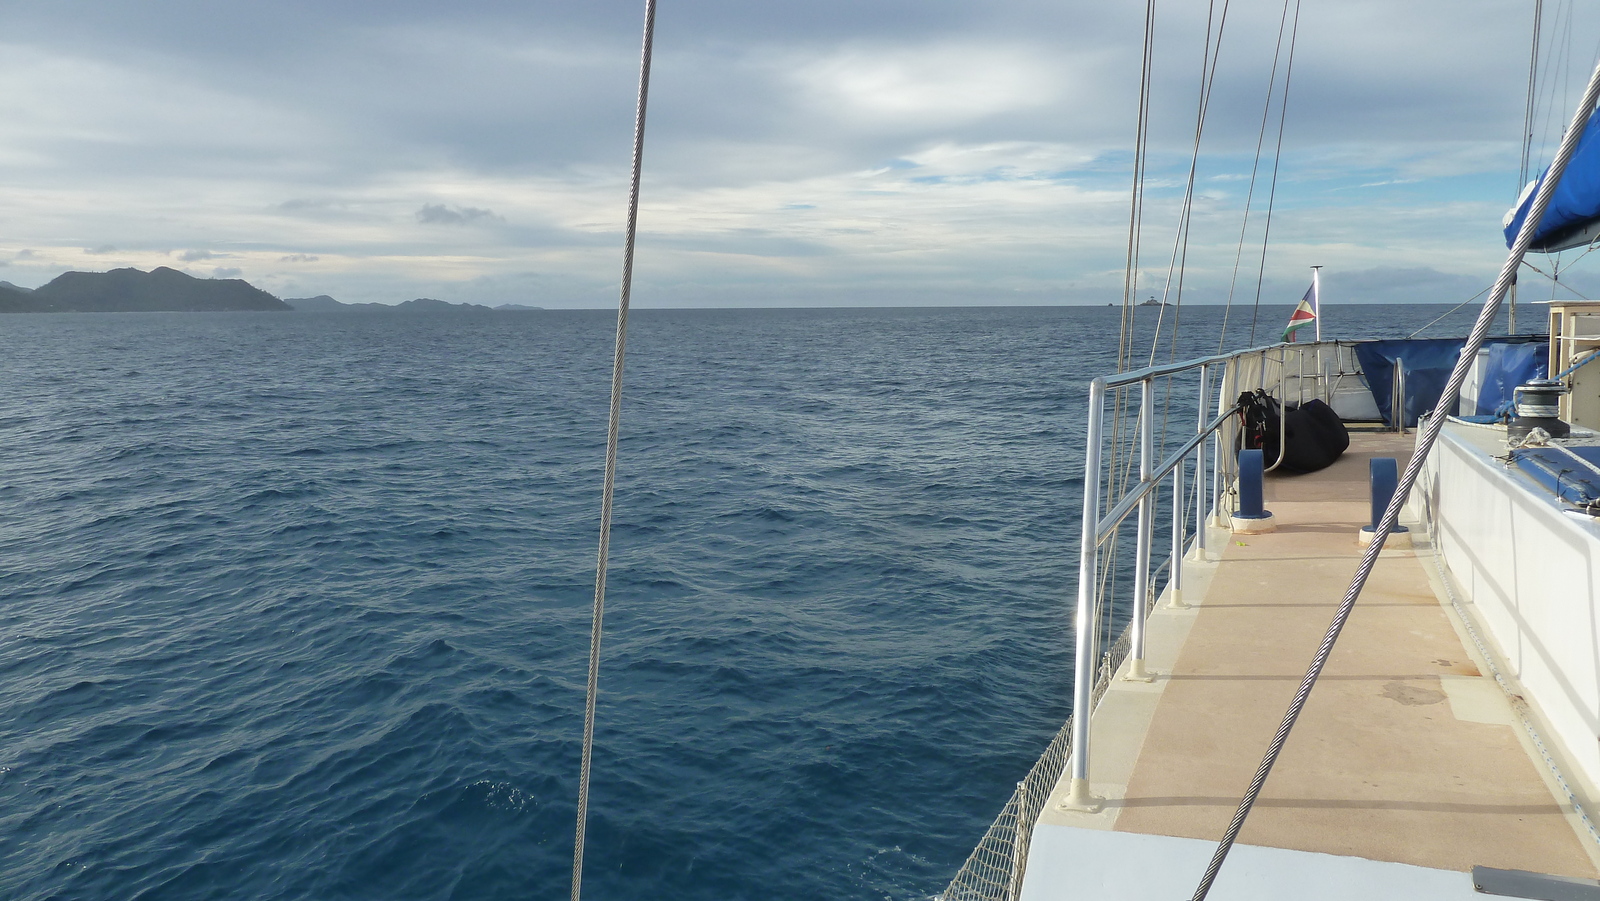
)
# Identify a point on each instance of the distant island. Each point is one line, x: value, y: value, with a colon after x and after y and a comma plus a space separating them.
x: 322, y: 303
x: 165, y: 290
x: 135, y: 291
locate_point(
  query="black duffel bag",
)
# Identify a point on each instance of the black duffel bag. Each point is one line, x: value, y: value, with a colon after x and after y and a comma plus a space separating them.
x: 1313, y: 435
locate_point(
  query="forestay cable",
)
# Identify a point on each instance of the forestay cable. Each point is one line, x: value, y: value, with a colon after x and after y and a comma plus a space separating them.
x: 1178, y: 262
x: 1130, y: 277
x: 1255, y: 168
x: 1430, y: 434
x: 1277, y: 159
x: 611, y: 452
x: 1120, y: 467
x: 1180, y: 241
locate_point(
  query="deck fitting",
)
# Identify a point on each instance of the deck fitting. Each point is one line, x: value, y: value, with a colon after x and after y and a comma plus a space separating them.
x: 1136, y: 671
x: 1078, y: 798
x: 1399, y: 538
x: 1254, y: 525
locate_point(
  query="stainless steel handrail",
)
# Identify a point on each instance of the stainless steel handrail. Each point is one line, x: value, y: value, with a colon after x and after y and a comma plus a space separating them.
x: 1147, y: 483
x: 995, y: 869
x: 1266, y: 365
x: 1149, y: 372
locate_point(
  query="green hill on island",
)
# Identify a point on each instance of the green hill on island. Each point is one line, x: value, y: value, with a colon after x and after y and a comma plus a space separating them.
x: 164, y: 290
x: 136, y: 291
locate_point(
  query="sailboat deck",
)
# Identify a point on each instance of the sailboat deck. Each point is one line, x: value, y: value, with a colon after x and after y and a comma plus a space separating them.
x: 1406, y: 753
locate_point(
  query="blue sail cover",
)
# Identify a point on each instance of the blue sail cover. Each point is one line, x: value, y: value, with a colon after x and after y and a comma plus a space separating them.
x: 1575, y: 204
x: 1567, y: 478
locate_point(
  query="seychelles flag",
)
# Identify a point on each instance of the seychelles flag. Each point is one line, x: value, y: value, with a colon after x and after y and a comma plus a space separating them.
x: 1303, y: 315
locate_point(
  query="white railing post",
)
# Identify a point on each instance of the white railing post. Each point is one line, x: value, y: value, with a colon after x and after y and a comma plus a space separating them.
x: 1322, y: 379
x: 1300, y: 383
x: 1078, y: 795
x: 1147, y: 523
x: 1397, y: 396
x: 1218, y: 467
x: 1200, y: 466
x: 1175, y: 580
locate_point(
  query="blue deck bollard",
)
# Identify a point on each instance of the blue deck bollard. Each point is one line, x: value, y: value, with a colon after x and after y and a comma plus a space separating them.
x: 1251, y: 517
x: 1384, y: 477
x: 1251, y: 463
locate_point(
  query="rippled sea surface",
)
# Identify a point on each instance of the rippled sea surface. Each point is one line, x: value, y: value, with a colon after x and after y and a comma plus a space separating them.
x: 297, y: 605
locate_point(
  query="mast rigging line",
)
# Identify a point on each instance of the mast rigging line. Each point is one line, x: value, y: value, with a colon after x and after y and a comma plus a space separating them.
x: 1557, y: 282
x: 613, y: 427
x: 1255, y: 166
x: 1209, y: 61
x: 1458, y: 306
x: 1208, y: 76
x: 1277, y: 157
x: 1527, y: 129
x: 1430, y: 434
x: 1130, y: 278
x: 1527, y: 117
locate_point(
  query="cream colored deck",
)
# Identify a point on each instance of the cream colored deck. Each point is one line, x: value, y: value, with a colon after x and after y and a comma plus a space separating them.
x: 1405, y: 752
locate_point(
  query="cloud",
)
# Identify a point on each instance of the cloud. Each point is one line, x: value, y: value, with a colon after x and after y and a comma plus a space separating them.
x: 226, y: 273
x: 1389, y: 181
x: 302, y: 206
x: 948, y: 83
x: 828, y: 152
x: 438, y: 214
x: 102, y: 249
x: 191, y: 256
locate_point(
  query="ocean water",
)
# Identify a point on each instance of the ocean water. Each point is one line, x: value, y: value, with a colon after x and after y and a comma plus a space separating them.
x: 295, y: 606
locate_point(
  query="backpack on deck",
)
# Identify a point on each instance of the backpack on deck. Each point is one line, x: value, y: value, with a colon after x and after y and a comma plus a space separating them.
x: 1313, y: 435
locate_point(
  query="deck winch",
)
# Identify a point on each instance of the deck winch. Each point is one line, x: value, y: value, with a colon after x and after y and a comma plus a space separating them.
x: 1537, y: 404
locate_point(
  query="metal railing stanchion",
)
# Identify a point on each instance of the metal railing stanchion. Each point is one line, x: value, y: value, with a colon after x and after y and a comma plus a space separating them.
x: 1300, y: 379
x: 1175, y: 579
x: 1397, y: 396
x: 1200, y: 466
x: 1078, y: 795
x: 1218, y: 467
x: 1322, y: 378
x: 1282, y: 393
x: 1147, y: 521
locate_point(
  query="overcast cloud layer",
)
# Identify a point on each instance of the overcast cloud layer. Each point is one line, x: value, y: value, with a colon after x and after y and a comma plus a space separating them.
x: 824, y: 153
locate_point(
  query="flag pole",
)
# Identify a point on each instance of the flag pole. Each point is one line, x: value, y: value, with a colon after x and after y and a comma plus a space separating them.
x: 1316, y: 297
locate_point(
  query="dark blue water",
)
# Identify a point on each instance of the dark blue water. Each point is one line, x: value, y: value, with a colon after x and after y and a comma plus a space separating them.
x: 296, y: 605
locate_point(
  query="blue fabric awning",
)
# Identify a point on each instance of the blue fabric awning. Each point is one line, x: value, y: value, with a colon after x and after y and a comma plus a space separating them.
x: 1428, y: 361
x: 1510, y: 365
x: 1574, y: 210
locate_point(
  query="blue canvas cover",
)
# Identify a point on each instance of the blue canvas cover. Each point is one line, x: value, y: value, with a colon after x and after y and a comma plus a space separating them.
x: 1427, y: 361
x: 1576, y: 201
x: 1510, y: 365
x: 1567, y: 478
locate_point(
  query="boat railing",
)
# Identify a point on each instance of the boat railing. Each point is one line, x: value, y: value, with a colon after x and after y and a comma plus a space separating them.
x: 1158, y: 463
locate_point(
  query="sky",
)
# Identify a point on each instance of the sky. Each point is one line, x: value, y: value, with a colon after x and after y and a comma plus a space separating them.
x: 828, y: 153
